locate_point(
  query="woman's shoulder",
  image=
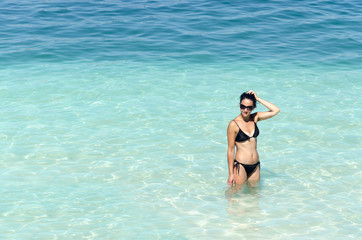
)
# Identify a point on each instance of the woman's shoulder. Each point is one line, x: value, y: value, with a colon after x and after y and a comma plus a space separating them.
x: 232, y: 127
x: 254, y: 117
x: 233, y: 123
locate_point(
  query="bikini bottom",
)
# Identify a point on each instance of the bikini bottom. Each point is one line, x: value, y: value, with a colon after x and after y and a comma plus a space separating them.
x: 249, y: 168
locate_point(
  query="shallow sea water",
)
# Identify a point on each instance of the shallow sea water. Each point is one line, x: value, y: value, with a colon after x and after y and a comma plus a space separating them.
x: 114, y: 119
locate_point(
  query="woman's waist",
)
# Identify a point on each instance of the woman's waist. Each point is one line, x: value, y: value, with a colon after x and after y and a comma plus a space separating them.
x: 247, y: 157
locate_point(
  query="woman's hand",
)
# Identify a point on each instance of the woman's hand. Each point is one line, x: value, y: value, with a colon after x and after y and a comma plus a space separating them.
x: 231, y: 180
x: 252, y: 92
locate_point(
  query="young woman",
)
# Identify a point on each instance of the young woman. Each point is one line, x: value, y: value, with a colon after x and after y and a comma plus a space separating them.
x: 242, y: 132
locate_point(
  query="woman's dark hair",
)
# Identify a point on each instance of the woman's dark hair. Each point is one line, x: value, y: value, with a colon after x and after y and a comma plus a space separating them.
x: 249, y: 96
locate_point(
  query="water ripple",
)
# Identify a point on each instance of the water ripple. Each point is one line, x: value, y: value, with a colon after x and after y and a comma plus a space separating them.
x: 184, y: 30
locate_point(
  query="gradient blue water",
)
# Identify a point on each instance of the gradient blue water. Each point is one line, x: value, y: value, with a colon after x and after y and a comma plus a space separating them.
x: 114, y: 119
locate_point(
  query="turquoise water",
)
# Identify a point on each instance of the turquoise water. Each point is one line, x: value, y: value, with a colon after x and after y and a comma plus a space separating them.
x: 114, y: 118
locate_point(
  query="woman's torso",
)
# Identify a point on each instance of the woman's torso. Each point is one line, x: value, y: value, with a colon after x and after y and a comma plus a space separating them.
x: 246, y: 142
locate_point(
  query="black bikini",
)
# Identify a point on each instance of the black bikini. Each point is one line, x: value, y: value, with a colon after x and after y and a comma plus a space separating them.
x: 241, y: 137
x: 249, y: 168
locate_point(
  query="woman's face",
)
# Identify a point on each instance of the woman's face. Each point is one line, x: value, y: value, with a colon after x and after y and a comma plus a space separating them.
x: 246, y: 107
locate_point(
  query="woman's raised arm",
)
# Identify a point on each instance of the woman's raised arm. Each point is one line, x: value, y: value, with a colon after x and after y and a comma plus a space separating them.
x: 273, y: 110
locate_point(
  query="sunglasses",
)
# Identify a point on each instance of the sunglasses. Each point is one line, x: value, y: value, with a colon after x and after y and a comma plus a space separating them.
x: 248, y: 107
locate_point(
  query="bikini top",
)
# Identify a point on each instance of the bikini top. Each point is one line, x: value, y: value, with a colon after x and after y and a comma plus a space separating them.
x: 241, y: 136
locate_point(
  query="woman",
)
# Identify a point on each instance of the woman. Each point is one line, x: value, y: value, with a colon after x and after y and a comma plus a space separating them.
x: 242, y: 132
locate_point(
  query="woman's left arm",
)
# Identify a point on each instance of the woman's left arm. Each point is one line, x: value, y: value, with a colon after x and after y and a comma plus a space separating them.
x: 273, y: 110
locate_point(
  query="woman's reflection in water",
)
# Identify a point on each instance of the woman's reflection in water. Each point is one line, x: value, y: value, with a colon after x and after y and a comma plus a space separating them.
x: 243, y: 198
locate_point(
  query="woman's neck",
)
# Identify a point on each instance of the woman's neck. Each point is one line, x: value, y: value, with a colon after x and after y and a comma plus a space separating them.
x: 245, y: 119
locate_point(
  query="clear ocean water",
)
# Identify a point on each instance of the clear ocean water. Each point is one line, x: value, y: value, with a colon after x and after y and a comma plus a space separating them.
x: 114, y: 116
